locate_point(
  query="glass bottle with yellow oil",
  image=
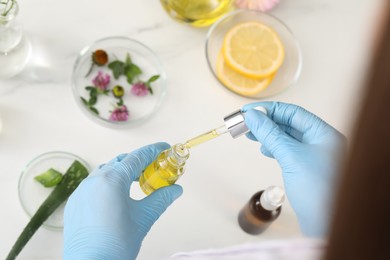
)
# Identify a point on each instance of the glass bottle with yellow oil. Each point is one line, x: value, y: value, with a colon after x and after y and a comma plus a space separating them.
x: 169, y: 165
x: 165, y: 170
x: 197, y: 12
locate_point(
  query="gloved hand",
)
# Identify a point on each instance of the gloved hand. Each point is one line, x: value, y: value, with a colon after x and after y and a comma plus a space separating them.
x: 308, y: 151
x: 101, y: 221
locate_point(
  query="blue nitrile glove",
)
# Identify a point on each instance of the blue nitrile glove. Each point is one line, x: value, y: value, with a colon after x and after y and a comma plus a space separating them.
x: 308, y: 150
x: 101, y: 221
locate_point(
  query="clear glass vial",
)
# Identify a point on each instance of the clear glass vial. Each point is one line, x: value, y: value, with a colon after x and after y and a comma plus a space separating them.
x: 263, y: 208
x: 165, y: 170
x: 14, y: 46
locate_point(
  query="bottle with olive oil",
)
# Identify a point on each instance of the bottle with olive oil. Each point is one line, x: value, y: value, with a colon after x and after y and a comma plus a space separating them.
x: 165, y: 170
x: 169, y: 165
x: 197, y: 13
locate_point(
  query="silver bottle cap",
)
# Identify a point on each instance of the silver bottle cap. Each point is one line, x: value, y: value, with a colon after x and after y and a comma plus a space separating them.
x: 235, y: 124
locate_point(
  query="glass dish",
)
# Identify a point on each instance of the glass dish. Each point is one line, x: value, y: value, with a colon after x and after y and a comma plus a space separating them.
x: 289, y: 71
x: 198, y: 13
x: 140, y: 107
x: 32, y: 193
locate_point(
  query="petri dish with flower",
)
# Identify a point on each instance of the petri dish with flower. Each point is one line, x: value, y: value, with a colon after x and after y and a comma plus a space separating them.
x: 118, y: 82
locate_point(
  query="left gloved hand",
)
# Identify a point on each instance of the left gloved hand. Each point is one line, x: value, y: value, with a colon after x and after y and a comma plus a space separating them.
x: 308, y: 151
x: 101, y: 221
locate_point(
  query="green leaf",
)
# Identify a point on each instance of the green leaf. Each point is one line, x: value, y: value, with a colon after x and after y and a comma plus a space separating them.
x: 149, y: 87
x: 92, y: 101
x: 136, y: 70
x: 84, y: 101
x: 131, y: 72
x: 94, y: 110
x: 128, y: 59
x: 120, y: 103
x: 71, y: 179
x: 6, y: 10
x: 130, y: 78
x: 117, y: 67
x: 89, y: 88
x: 150, y: 80
x: 93, y: 93
x: 153, y: 78
x: 49, y: 178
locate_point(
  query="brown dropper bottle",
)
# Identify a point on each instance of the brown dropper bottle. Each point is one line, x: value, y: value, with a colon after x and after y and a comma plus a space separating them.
x: 261, y: 210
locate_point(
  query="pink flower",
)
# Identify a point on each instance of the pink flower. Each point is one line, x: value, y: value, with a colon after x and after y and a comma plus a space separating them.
x: 101, y: 81
x: 260, y: 5
x: 139, y: 89
x: 120, y: 114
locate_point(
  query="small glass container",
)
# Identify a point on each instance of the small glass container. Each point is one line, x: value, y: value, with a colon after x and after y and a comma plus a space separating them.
x: 262, y: 209
x: 289, y: 71
x: 139, y: 108
x: 197, y: 13
x: 165, y: 170
x: 32, y: 193
x: 15, y: 48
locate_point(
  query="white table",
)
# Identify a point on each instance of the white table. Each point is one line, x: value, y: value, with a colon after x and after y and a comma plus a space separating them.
x: 40, y: 115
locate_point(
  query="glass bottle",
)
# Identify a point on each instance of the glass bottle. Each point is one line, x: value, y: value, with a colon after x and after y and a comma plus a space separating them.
x: 169, y: 165
x: 263, y: 208
x: 197, y: 12
x: 165, y: 170
x: 14, y: 47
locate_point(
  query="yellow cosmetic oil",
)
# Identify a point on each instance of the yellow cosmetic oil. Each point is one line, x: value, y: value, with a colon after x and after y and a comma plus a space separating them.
x: 165, y: 170
x: 197, y: 12
x: 169, y: 165
x: 205, y: 137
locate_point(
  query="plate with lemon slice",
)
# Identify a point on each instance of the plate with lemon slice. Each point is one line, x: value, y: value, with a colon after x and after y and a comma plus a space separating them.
x: 253, y: 54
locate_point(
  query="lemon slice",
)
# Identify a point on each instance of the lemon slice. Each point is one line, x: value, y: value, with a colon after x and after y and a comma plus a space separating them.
x: 238, y: 83
x: 253, y: 49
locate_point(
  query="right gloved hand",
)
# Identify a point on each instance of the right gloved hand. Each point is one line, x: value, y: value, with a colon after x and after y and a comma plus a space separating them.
x: 308, y: 150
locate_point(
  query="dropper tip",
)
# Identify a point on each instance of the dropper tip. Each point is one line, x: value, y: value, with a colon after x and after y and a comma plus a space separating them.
x: 221, y: 130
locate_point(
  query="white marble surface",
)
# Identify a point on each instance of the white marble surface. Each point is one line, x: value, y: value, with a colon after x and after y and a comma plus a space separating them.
x: 39, y: 114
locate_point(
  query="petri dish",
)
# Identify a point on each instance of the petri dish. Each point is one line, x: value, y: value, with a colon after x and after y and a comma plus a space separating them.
x: 289, y: 71
x: 140, y: 108
x: 32, y: 193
